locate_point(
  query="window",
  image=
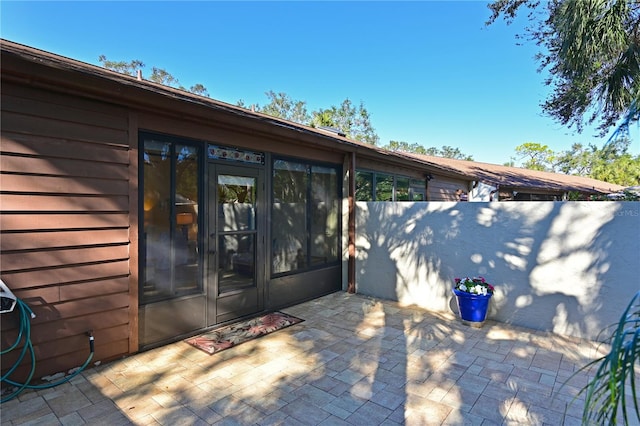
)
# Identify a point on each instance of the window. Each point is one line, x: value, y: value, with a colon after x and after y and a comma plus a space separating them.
x: 402, y: 188
x: 170, y: 259
x: 384, y: 187
x: 388, y: 187
x: 364, y: 186
x: 305, y: 216
x: 323, y: 245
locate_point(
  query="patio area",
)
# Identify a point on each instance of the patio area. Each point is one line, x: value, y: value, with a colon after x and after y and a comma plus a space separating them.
x: 353, y: 361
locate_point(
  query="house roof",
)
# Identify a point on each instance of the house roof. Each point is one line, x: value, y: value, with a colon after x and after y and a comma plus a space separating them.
x: 505, y: 177
x: 519, y: 179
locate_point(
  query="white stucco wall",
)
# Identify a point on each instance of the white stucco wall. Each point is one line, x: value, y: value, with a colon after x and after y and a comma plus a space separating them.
x: 566, y: 267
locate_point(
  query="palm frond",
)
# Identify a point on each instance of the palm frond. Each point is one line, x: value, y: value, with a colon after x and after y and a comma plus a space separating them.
x: 606, y: 393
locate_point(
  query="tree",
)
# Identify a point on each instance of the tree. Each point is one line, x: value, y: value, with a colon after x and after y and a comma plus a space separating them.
x: 158, y: 75
x: 199, y: 89
x: 129, y: 68
x: 445, y: 151
x: 576, y: 161
x: 355, y: 122
x: 449, y: 152
x: 536, y: 156
x: 612, y: 163
x: 591, y: 50
x: 399, y: 146
x: 282, y: 106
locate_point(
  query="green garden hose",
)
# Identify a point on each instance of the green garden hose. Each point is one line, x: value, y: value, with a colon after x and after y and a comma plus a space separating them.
x: 24, y: 334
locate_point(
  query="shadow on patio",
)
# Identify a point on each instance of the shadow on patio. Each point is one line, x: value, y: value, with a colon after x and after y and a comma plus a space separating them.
x: 354, y: 360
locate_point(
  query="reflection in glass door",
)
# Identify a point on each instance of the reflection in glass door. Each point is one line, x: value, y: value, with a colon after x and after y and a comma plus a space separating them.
x: 172, y: 298
x: 236, y: 232
x: 234, y: 279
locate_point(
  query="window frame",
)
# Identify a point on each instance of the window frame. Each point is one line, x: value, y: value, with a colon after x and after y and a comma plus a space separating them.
x: 174, y: 142
x: 415, y: 186
x: 309, y: 264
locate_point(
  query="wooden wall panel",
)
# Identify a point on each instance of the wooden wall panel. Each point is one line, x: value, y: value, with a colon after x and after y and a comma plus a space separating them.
x: 64, y: 184
x: 42, y: 146
x: 28, y: 221
x: 70, y: 273
x: 40, y: 126
x: 36, y: 98
x: 58, y: 239
x: 13, y: 261
x: 76, y: 326
x: 34, y: 202
x: 370, y: 165
x: 64, y: 223
x: 444, y: 189
x: 54, y: 107
x: 61, y: 167
x: 75, y: 358
x: 94, y: 288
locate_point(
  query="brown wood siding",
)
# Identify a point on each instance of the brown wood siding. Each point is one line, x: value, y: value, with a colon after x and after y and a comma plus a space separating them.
x: 220, y: 134
x: 64, y: 224
x: 444, y: 189
x: 366, y: 164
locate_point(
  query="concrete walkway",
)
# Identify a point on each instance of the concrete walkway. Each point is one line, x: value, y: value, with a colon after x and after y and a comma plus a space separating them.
x: 353, y: 361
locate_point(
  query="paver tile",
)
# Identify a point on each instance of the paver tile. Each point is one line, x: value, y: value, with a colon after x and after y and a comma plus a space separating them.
x: 354, y: 360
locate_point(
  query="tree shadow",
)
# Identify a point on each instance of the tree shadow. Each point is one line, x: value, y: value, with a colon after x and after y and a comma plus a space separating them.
x: 552, y: 263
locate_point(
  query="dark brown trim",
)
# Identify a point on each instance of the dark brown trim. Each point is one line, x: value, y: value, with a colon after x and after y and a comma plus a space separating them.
x: 133, y: 233
x: 351, y: 287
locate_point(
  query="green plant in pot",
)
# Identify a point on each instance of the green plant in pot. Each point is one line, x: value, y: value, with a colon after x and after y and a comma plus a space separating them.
x: 472, y: 296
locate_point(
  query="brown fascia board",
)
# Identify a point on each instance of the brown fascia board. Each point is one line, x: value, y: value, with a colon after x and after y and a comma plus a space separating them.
x: 43, y: 69
x: 523, y: 180
x: 46, y: 70
x: 433, y: 167
x: 54, y: 72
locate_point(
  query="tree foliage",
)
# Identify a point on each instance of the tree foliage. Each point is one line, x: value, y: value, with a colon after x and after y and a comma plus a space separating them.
x: 449, y: 152
x: 446, y: 151
x: 591, y: 49
x: 353, y: 121
x: 401, y: 146
x: 612, y: 163
x: 282, y: 106
x: 158, y: 75
x: 535, y: 156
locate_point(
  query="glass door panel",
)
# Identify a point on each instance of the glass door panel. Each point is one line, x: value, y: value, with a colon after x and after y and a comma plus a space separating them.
x: 236, y: 232
x: 234, y: 278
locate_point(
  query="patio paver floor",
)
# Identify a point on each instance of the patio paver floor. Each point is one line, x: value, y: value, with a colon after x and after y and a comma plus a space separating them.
x: 354, y: 360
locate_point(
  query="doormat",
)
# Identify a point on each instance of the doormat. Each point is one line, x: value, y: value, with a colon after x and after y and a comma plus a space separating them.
x: 234, y: 334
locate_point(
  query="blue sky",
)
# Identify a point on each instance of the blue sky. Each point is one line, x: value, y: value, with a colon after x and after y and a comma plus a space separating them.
x: 428, y: 72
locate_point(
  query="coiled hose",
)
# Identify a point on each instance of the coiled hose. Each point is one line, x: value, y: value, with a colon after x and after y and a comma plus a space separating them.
x: 24, y: 334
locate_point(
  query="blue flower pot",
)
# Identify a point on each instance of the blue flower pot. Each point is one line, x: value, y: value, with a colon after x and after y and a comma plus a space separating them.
x: 472, y: 307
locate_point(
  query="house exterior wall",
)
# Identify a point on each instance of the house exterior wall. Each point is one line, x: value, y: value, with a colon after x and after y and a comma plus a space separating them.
x: 442, y: 188
x: 69, y: 215
x: 70, y: 197
x: 439, y: 187
x: 64, y: 220
x: 564, y: 267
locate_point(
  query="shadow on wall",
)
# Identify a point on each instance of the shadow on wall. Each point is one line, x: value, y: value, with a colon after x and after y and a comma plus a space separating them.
x: 565, y: 267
